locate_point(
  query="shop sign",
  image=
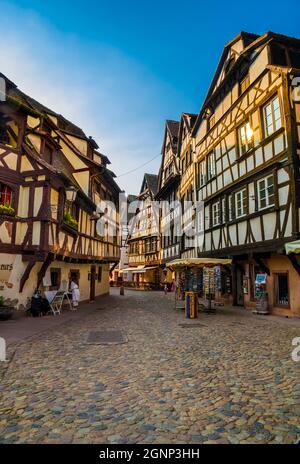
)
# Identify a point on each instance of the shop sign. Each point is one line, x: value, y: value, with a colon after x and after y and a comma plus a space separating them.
x: 261, y: 279
x: 5, y: 271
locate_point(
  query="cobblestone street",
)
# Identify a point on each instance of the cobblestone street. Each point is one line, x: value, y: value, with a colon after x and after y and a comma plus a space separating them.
x: 230, y: 380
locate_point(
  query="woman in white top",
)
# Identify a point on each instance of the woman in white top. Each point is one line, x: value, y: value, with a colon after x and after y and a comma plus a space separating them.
x: 75, y: 293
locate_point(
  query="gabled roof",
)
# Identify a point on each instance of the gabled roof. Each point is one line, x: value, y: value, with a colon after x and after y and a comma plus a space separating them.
x: 251, y: 42
x: 64, y: 124
x: 61, y: 165
x: 187, y: 119
x: 150, y: 181
x: 171, y: 128
x: 248, y: 39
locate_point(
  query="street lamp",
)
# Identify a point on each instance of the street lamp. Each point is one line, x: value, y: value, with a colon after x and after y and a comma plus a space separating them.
x: 71, y: 193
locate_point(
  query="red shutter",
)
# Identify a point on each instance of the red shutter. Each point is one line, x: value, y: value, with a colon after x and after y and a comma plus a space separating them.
x: 5, y: 195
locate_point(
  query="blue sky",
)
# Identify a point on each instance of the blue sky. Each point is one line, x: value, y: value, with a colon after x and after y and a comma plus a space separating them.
x: 120, y: 68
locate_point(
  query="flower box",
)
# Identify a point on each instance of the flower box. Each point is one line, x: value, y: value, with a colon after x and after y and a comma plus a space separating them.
x: 7, y: 210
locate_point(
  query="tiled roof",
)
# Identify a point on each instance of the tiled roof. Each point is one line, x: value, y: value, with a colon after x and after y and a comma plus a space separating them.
x: 173, y: 127
x: 152, y: 181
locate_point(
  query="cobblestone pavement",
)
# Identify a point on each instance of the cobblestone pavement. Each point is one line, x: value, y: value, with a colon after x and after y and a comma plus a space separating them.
x: 230, y: 380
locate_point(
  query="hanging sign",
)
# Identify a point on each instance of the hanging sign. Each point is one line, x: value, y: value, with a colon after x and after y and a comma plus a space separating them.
x: 261, y: 279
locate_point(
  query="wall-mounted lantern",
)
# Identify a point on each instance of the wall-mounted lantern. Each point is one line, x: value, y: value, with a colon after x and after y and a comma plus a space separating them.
x: 71, y: 193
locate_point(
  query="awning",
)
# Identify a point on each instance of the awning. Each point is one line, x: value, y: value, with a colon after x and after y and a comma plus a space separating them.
x: 292, y: 247
x: 198, y: 262
x: 144, y: 269
x: 135, y: 269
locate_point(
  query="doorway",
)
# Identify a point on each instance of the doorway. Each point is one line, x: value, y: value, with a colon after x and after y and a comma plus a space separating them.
x: 239, y: 287
x: 93, y: 283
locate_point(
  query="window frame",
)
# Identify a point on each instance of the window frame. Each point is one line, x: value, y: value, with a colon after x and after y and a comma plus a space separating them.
x: 216, y: 214
x: 244, y: 148
x: 264, y: 116
x: 243, y: 202
x: 276, y: 274
x: 267, y: 196
x: 201, y: 174
x: 57, y: 271
x: 211, y: 174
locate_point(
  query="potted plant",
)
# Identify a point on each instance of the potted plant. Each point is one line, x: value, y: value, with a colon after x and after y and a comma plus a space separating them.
x: 7, y: 210
x: 70, y: 220
x: 6, y: 312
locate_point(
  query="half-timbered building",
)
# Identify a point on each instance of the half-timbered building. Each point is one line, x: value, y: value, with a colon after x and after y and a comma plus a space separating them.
x: 247, y: 167
x: 143, y: 237
x: 167, y: 195
x: 186, y: 191
x: 53, y: 178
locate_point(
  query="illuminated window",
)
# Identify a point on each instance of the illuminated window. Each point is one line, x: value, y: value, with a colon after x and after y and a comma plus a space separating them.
x: 245, y: 133
x: 272, y: 116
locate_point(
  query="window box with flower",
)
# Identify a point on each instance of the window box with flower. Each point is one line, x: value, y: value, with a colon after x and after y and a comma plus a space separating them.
x: 70, y: 224
x: 7, y: 210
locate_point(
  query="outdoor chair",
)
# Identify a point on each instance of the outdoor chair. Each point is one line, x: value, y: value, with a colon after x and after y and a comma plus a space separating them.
x: 57, y: 302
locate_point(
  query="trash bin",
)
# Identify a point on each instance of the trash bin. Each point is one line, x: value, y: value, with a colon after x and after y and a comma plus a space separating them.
x: 191, y: 305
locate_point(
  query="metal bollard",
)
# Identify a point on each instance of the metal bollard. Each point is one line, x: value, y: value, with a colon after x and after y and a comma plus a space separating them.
x: 122, y: 290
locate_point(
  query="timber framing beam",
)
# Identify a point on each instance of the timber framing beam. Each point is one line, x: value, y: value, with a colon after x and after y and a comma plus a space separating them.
x: 42, y: 271
x: 26, y: 275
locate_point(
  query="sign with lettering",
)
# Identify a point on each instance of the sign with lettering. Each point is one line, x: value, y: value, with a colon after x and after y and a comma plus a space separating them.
x: 5, y: 271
